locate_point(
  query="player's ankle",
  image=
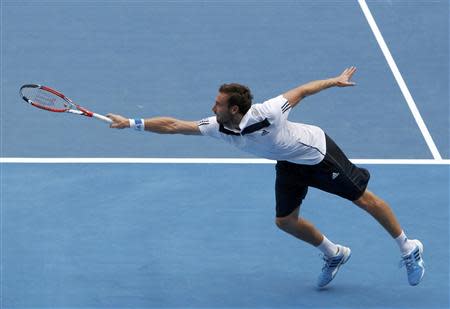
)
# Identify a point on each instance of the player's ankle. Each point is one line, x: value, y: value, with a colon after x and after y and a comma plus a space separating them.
x: 406, y: 245
x: 327, y: 247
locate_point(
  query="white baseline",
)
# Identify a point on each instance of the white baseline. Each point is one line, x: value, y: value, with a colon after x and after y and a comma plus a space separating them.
x: 5, y: 160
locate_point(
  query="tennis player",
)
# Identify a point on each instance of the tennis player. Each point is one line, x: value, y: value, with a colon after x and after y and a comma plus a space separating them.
x: 305, y: 156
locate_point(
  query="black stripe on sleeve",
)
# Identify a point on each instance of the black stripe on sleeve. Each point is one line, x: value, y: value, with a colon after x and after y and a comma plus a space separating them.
x: 286, y: 106
x: 203, y: 122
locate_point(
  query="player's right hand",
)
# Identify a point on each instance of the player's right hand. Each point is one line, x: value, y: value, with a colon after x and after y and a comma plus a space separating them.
x: 119, y: 122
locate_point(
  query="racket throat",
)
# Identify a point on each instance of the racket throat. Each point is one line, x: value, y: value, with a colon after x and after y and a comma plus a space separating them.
x: 85, y: 111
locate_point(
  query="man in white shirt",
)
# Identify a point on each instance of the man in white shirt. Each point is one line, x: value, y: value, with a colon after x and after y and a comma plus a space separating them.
x: 305, y: 156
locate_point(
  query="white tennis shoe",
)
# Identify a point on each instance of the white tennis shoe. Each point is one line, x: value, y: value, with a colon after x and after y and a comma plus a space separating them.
x: 415, y: 267
x: 332, y: 265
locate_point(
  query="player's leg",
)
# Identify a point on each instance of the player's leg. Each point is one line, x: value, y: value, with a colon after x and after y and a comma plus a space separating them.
x: 334, y: 255
x: 411, y: 249
x: 381, y: 211
x: 300, y: 228
x: 337, y: 175
x: 290, y: 191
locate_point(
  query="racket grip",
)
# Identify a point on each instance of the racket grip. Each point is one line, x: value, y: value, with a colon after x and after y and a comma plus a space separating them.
x: 101, y: 117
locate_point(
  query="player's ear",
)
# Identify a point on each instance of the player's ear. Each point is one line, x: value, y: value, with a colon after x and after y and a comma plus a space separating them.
x: 234, y: 109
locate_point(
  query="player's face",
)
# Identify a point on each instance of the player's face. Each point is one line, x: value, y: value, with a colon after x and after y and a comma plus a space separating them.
x: 221, y: 109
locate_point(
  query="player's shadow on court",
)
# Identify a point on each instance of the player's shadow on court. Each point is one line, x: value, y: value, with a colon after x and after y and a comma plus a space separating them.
x: 357, y: 295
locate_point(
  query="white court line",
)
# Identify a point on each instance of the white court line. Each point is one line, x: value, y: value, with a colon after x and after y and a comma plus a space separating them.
x: 401, y: 83
x: 202, y: 161
x: 1, y: 151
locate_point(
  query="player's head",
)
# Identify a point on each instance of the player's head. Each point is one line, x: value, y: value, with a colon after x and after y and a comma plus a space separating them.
x: 232, y: 99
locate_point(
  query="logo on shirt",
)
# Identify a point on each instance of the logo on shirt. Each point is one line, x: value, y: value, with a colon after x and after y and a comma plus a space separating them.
x: 334, y: 176
x: 264, y: 132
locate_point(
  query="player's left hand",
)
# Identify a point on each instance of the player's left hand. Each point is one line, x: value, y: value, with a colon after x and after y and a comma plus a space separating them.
x: 343, y: 80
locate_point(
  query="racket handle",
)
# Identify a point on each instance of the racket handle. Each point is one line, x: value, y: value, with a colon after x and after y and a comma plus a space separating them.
x: 101, y: 117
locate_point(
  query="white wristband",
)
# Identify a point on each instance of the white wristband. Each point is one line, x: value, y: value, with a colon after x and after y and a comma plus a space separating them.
x: 137, y: 124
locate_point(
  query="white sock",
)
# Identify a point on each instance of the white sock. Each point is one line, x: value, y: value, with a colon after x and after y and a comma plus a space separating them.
x: 327, y: 247
x: 405, y: 244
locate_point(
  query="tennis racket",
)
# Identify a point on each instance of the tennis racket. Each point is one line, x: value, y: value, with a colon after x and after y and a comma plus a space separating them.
x: 51, y: 100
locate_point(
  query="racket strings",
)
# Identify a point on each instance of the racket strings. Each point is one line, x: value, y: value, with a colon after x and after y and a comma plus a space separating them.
x: 45, y: 98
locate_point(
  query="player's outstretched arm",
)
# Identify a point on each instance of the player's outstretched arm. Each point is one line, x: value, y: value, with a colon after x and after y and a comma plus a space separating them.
x: 161, y: 125
x: 294, y: 96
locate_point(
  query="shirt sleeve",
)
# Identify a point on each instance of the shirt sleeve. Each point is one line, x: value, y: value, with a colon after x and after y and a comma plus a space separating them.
x: 275, y: 110
x: 209, y: 127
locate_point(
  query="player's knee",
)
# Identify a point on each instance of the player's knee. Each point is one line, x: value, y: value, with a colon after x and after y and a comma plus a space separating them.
x: 279, y: 222
x: 368, y: 200
x: 283, y: 223
x: 363, y: 201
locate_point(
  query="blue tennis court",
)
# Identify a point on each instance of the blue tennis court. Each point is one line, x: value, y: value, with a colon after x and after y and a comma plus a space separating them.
x: 173, y: 235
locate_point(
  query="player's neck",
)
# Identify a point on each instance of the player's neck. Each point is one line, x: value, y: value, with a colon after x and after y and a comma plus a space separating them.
x: 234, y: 123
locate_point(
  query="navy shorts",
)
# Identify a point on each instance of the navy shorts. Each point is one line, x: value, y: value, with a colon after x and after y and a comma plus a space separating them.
x: 334, y: 174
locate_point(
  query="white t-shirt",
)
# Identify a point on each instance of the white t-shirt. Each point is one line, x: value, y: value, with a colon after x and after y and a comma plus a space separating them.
x: 266, y: 132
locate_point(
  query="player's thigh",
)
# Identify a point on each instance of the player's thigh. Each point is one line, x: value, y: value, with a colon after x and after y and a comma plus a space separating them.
x: 337, y: 175
x: 290, y: 190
